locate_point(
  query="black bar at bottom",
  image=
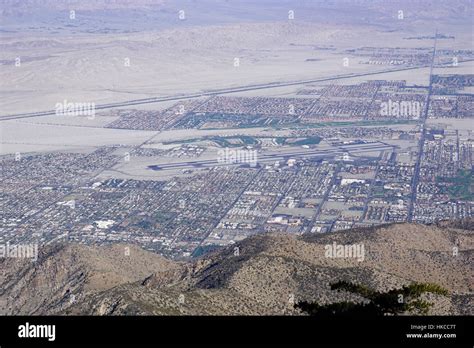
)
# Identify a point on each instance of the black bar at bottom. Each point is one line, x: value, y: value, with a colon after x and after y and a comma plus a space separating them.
x: 223, y: 331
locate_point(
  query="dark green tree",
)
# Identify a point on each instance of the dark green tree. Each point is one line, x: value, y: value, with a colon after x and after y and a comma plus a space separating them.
x: 394, y: 302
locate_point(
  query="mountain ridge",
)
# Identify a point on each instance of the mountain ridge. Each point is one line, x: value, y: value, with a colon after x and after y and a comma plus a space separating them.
x: 263, y: 274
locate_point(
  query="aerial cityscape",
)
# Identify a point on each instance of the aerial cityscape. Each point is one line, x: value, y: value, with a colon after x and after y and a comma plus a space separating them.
x: 236, y: 157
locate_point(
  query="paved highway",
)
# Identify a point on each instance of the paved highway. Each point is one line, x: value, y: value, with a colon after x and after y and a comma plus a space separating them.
x: 212, y: 92
x: 416, y: 175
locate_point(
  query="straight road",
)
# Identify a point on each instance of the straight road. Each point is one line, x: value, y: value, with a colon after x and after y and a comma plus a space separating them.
x: 416, y: 175
x: 213, y: 92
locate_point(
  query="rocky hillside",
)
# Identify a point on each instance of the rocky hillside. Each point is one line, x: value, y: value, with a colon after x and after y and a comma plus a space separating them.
x: 264, y: 274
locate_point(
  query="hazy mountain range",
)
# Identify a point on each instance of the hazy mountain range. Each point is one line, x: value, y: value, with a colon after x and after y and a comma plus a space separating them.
x: 154, y: 14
